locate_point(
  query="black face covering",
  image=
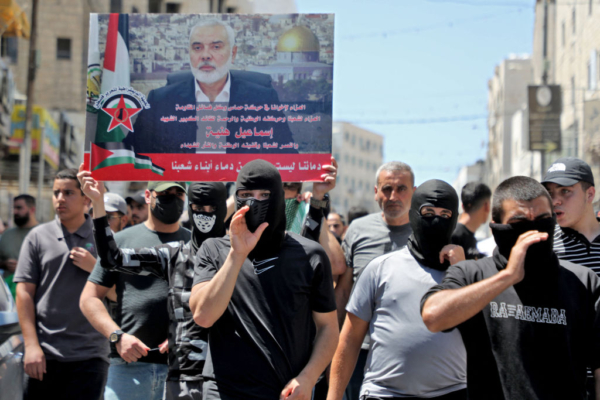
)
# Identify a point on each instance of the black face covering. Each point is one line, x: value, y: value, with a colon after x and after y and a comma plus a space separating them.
x: 539, y: 255
x: 207, y: 224
x: 167, y: 209
x: 260, y: 174
x: 20, y: 221
x: 431, y: 234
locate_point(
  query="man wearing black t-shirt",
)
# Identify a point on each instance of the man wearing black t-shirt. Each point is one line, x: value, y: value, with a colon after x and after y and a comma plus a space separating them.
x: 267, y: 296
x: 529, y: 321
x: 475, y: 198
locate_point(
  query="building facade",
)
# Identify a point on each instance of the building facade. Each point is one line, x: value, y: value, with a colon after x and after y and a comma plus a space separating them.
x: 359, y: 153
x: 507, y: 93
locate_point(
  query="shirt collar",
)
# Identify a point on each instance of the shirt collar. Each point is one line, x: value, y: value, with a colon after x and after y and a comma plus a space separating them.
x: 223, y: 96
x: 82, y: 232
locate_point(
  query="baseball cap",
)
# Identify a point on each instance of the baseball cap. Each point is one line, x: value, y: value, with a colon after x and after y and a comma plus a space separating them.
x: 161, y: 186
x: 113, y: 203
x: 567, y: 171
x: 138, y: 197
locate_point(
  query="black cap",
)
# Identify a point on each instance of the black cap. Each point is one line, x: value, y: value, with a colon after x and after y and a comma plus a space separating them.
x: 139, y: 198
x: 567, y: 171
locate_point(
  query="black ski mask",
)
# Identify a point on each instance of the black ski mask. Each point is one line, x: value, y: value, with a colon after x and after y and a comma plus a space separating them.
x: 260, y: 174
x: 539, y: 255
x: 167, y: 209
x: 431, y: 234
x: 207, y: 224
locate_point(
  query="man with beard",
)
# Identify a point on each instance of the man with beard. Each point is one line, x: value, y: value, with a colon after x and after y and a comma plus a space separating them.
x: 175, y: 264
x: 372, y: 236
x: 12, y: 239
x: 528, y: 320
x: 139, y: 209
x: 405, y: 359
x: 210, y: 87
x: 267, y: 297
x: 141, y: 318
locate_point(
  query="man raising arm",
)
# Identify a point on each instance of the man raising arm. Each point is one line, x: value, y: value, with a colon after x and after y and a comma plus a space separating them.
x: 268, y: 297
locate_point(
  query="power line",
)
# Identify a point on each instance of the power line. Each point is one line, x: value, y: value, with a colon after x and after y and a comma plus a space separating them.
x: 437, y: 25
x: 414, y: 121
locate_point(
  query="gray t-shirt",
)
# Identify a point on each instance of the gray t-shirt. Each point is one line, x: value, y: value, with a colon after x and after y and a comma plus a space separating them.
x: 63, y: 332
x: 405, y: 358
x: 141, y: 309
x: 370, y: 237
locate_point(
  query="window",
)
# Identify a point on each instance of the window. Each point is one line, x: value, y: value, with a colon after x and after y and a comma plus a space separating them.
x: 353, y: 160
x: 592, y: 74
x: 591, y: 2
x: 116, y: 6
x: 172, y: 8
x: 573, y: 90
x: 563, y: 33
x: 10, y: 49
x: 63, y: 49
x: 360, y: 163
x: 573, y: 20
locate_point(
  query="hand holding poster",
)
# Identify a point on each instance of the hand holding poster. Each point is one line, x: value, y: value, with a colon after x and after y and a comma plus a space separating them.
x: 195, y: 97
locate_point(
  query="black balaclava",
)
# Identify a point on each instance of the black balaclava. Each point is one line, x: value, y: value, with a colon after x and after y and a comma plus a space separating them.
x: 207, y: 224
x: 540, y: 255
x: 431, y: 234
x: 260, y: 174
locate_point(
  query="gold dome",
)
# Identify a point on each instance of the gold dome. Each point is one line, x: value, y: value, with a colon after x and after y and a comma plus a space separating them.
x: 298, y: 39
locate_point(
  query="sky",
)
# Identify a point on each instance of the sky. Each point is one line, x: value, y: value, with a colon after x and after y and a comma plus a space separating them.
x: 399, y: 62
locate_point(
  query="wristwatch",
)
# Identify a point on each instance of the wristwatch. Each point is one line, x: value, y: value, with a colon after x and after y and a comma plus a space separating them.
x: 319, y: 203
x: 115, y: 336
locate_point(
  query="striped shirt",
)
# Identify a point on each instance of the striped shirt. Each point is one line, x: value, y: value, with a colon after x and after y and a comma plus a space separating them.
x: 572, y: 246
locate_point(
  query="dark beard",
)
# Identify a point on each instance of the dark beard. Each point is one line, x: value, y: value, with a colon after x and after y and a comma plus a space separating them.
x: 21, y: 221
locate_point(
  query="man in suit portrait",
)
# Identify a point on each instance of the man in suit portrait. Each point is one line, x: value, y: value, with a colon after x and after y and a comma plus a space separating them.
x: 205, y: 110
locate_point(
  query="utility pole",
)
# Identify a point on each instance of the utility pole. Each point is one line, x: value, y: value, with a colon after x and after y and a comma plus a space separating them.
x: 25, y: 154
x: 544, y: 69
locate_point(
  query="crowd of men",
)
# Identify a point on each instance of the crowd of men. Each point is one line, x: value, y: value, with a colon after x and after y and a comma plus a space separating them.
x: 270, y: 294
x: 281, y: 297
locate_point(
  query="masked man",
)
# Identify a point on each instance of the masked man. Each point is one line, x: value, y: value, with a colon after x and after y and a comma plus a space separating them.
x: 141, y: 319
x: 528, y: 320
x: 405, y: 359
x: 267, y: 296
x: 175, y: 264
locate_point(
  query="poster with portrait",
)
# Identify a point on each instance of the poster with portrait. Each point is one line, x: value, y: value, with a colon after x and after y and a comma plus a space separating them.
x: 194, y: 97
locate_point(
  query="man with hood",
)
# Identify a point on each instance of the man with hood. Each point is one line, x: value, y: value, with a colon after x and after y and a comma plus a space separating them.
x: 141, y: 309
x: 405, y: 359
x: 267, y: 297
x: 528, y: 320
x: 173, y: 262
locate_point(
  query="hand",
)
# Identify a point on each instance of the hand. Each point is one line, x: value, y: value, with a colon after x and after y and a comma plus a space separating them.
x: 90, y: 187
x: 10, y: 265
x: 242, y: 240
x: 82, y: 258
x: 516, y: 260
x: 297, y: 389
x: 131, y: 348
x: 164, y: 347
x: 35, y: 362
x: 453, y: 253
x: 320, y: 188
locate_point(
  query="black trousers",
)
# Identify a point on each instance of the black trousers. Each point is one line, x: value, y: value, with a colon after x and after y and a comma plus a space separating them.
x: 457, y: 395
x: 69, y: 380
